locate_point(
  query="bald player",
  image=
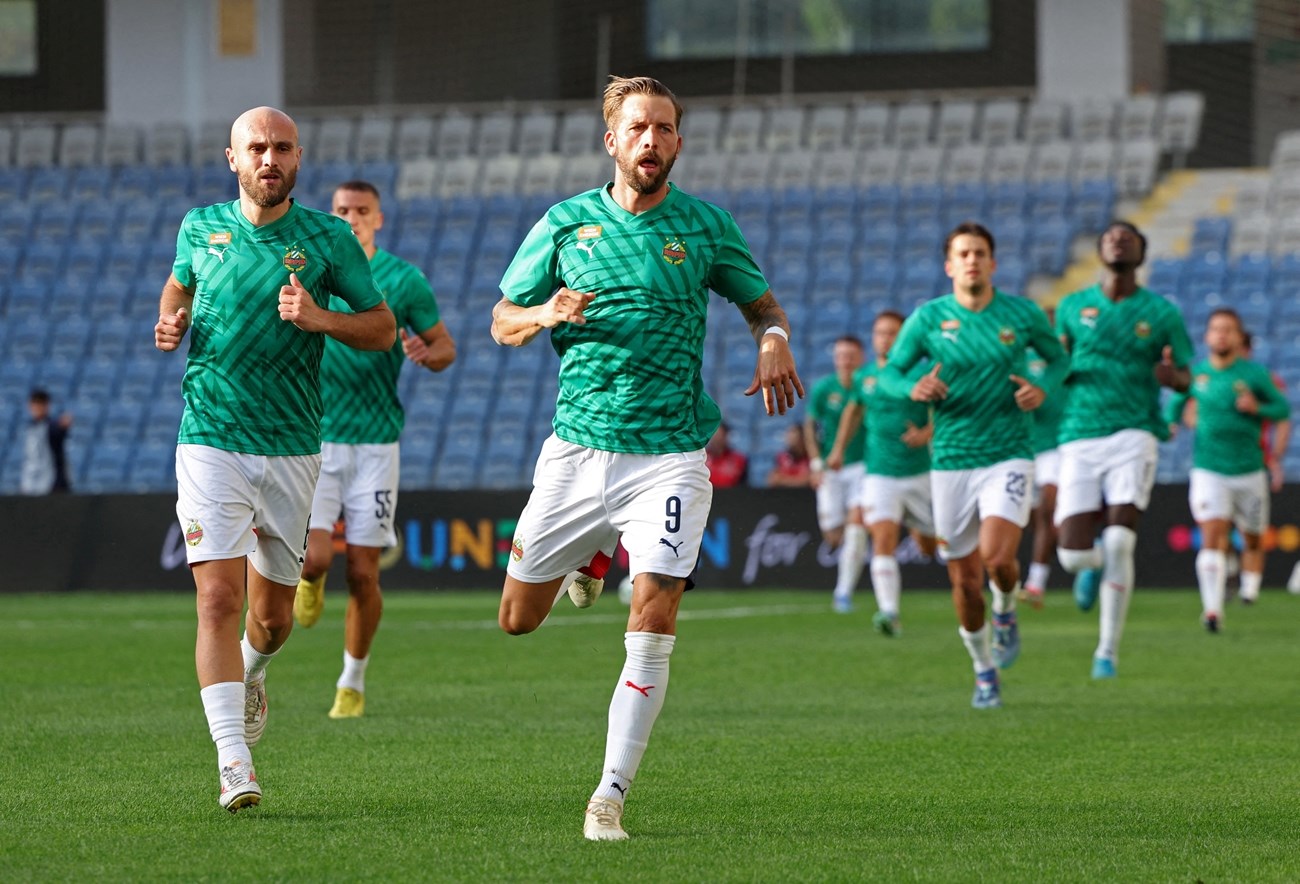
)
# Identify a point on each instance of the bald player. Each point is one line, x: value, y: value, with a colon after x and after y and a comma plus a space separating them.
x: 253, y: 280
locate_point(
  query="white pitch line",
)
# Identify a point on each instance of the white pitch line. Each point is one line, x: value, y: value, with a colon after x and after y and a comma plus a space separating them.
x: 574, y: 619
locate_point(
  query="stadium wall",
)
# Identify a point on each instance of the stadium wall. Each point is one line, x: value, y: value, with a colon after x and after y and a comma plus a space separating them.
x: 760, y: 538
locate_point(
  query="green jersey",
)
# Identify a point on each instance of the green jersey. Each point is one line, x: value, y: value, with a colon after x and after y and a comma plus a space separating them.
x: 886, y: 419
x: 630, y: 376
x: 359, y: 387
x: 825, y: 406
x: 978, y: 424
x: 1114, y: 349
x: 252, y: 380
x: 1228, y: 440
x: 1046, y: 417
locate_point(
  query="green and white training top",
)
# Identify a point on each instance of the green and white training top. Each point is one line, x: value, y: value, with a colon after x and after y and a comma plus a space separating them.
x: 979, y: 423
x: 252, y: 380
x: 826, y: 404
x: 1228, y: 440
x: 1114, y: 349
x: 885, y: 419
x: 359, y: 387
x: 630, y: 377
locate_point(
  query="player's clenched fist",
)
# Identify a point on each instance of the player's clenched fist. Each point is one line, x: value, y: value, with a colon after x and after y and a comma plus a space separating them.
x: 298, y: 306
x: 565, y: 305
x: 170, y: 329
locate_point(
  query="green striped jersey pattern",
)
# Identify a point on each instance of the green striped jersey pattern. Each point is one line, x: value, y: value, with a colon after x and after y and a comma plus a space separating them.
x: 1228, y: 440
x: 886, y: 419
x: 252, y: 380
x: 630, y: 376
x: 359, y: 387
x: 979, y: 423
x: 1047, y: 417
x: 826, y: 403
x: 1114, y: 348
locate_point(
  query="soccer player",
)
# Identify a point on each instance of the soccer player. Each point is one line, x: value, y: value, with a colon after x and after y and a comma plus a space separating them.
x: 360, y: 462
x: 253, y: 278
x: 620, y: 275
x: 839, y: 488
x: 1125, y: 343
x: 981, y: 469
x: 896, y: 490
x: 1229, y: 481
x: 1047, y: 470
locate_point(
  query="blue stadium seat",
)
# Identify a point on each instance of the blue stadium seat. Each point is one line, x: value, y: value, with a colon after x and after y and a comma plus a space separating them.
x: 13, y: 185
x: 878, y: 205
x: 90, y: 182
x: 1049, y: 246
x: 27, y: 299
x: 1205, y: 273
x: 921, y: 203
x: 835, y: 206
x: 58, y: 377
x: 1165, y: 275
x: 1050, y: 200
x: 1251, y: 271
x: 81, y: 267
x: 1211, y: 235
x: 152, y: 467
x: 123, y: 419
x: 47, y: 184
x: 1008, y: 198
x: 106, y: 470
x: 455, y: 471
x: 964, y: 202
x: 504, y: 475
x: 1094, y: 204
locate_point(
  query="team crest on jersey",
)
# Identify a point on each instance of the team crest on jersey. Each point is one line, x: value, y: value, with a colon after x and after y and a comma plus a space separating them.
x: 869, y: 384
x: 1088, y: 316
x: 1202, y: 381
x: 517, y: 549
x: 1142, y: 329
x: 834, y: 399
x: 674, y: 251
x: 1007, y: 335
x: 194, y: 533
x: 295, y: 259
x: 219, y: 239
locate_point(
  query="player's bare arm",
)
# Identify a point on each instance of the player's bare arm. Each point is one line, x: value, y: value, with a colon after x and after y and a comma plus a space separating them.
x: 173, y: 315
x: 1028, y: 394
x: 373, y: 329
x: 850, y: 424
x: 917, y: 437
x: 929, y: 387
x: 775, y: 373
x: 810, y: 441
x: 434, y: 348
x: 514, y: 326
x: 1170, y: 375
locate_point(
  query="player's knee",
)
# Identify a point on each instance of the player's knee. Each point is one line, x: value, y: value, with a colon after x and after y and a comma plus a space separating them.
x: 516, y: 620
x: 276, y: 619
x: 219, y: 603
x: 362, y: 581
x: 1076, y: 560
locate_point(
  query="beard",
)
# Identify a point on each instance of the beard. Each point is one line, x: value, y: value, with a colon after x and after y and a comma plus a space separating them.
x: 265, y: 195
x: 640, y: 181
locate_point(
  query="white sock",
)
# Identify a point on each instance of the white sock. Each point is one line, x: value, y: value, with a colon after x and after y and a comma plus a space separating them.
x: 1076, y: 560
x: 354, y: 673
x: 853, y: 555
x: 223, y: 704
x: 638, y: 697
x: 978, y: 643
x: 1116, y: 586
x: 1038, y: 574
x: 1003, y: 602
x: 1251, y: 581
x: 887, y: 582
x: 254, y: 661
x: 1211, y: 576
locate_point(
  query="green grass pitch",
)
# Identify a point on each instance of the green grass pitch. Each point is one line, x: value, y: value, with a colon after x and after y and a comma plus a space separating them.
x: 795, y: 745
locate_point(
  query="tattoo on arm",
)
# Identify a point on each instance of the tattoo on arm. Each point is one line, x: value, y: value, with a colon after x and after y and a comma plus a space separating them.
x: 763, y: 314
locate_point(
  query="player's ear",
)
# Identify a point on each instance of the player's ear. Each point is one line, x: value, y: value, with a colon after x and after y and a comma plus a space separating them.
x: 610, y: 142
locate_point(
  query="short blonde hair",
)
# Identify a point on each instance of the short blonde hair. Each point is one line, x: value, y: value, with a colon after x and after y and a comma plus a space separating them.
x: 620, y: 88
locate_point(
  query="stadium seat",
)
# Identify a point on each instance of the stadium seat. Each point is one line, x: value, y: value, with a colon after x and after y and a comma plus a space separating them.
x: 743, y: 130
x: 955, y: 123
x: 13, y: 185
x: 374, y: 139
x: 459, y: 177
x: 1094, y: 204
x: 869, y: 126
x: 1009, y: 163
x: 42, y: 260
x: 90, y: 182
x: 579, y: 132
x: 35, y: 145
x: 1053, y: 160
x: 48, y: 184
x: 79, y: 145
x: 966, y: 164
x: 922, y: 165
x: 1211, y: 234
x: 793, y: 169
x: 1251, y: 235
x: 784, y: 130
x: 1136, y: 166
x: 120, y: 146
x: 912, y: 123
x: 1092, y: 119
x: 168, y: 144
x: 454, y: 137
x: 880, y: 166
x: 1000, y: 121
x: 413, y: 139
x: 1137, y: 117
x: 826, y: 126
x: 1044, y: 121
x: 1180, y: 122
x: 500, y: 175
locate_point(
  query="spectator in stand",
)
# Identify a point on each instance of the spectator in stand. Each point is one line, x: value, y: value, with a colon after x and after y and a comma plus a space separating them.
x: 45, y: 466
x: 793, y: 467
x: 727, y: 466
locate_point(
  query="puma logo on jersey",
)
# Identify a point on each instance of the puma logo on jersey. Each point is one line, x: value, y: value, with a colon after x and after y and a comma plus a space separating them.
x: 220, y: 253
x: 589, y: 246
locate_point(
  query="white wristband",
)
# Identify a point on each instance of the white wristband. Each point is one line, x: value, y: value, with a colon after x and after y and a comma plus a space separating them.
x: 817, y: 464
x: 777, y: 330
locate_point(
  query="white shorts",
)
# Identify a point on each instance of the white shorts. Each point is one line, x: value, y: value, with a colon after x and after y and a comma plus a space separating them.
x: 1047, y: 467
x: 962, y: 498
x: 1242, y: 499
x: 584, y: 499
x: 232, y: 505
x: 901, y: 500
x: 839, y: 492
x: 1117, y: 469
x: 359, y: 483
